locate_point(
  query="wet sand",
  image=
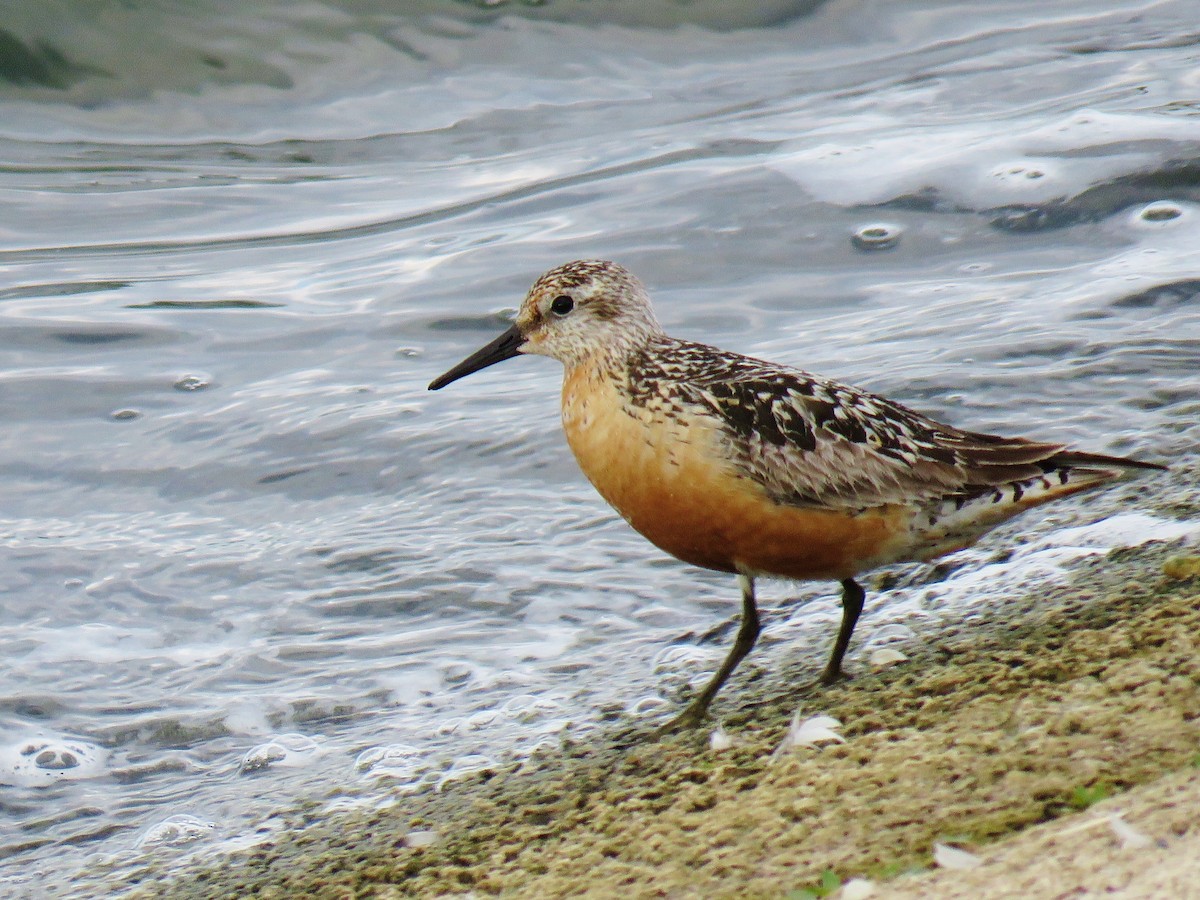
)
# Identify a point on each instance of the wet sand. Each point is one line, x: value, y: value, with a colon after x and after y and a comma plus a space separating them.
x: 1010, y: 736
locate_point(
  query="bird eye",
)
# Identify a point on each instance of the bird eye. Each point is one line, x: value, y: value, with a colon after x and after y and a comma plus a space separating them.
x: 561, y: 305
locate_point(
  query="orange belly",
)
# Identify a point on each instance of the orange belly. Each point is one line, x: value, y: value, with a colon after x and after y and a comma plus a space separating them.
x: 738, y: 534
x: 671, y: 480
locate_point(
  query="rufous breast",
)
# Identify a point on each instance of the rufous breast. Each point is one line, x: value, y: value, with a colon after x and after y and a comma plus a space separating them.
x: 671, y: 476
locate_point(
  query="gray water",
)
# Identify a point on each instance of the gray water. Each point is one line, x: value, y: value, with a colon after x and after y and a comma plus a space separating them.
x: 246, y: 558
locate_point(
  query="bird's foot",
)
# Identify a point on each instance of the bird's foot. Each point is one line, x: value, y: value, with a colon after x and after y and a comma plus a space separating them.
x: 692, y: 717
x: 832, y: 676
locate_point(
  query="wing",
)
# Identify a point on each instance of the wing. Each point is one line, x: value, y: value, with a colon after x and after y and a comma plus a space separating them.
x: 811, y: 441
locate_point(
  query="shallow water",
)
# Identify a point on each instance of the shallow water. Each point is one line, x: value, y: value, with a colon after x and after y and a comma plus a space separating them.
x: 249, y: 558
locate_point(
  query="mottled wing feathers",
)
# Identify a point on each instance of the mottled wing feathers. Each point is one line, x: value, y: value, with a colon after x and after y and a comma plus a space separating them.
x: 811, y: 441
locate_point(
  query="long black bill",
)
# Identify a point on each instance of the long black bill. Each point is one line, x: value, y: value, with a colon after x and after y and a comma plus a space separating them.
x: 504, y: 347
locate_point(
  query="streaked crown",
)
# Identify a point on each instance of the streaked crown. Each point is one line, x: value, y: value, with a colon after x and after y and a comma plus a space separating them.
x: 584, y: 309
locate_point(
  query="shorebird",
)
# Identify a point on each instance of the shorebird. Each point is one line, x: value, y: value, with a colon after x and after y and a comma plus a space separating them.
x: 758, y: 469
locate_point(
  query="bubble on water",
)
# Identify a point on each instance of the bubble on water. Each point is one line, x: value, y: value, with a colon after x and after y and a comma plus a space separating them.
x: 175, y: 831
x: 407, y: 353
x: 681, y: 659
x: 528, y: 708
x: 647, y: 706
x: 283, y: 751
x: 464, y: 766
x: 542, y: 745
x: 401, y: 762
x: 879, y: 236
x: 124, y: 415
x: 482, y: 719
x: 192, y: 383
x: 43, y: 760
x: 1158, y: 214
x: 891, y: 633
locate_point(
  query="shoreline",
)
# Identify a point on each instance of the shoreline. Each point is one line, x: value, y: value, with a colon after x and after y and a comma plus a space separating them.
x: 998, y: 735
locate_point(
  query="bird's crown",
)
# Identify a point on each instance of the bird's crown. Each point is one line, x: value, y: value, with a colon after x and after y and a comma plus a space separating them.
x: 586, y: 308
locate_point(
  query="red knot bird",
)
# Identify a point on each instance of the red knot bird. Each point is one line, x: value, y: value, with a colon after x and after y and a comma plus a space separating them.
x: 758, y: 469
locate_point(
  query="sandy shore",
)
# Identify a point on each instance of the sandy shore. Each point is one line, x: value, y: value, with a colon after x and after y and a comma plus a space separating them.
x: 1012, y: 736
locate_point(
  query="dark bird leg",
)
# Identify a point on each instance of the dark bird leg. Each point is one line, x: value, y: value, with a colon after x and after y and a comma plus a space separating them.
x: 852, y: 605
x: 742, y: 644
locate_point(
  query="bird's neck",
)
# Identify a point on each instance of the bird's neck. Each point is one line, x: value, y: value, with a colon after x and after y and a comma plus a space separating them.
x: 611, y: 362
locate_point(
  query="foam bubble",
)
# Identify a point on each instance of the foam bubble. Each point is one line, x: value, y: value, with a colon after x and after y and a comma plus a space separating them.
x: 463, y: 766
x: 188, y: 383
x: 283, y: 751
x: 682, y: 659
x: 401, y: 762
x: 175, y: 831
x: 878, y: 236
x: 528, y: 708
x: 1161, y: 214
x: 647, y: 706
x: 44, y: 760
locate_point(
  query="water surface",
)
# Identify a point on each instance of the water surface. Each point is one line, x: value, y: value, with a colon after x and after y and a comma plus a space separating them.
x: 248, y: 558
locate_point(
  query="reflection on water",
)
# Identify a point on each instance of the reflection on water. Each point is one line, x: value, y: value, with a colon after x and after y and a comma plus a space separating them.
x: 242, y: 545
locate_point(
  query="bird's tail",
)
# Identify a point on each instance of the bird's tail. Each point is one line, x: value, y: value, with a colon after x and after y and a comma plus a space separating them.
x: 958, y: 520
x: 1075, y: 459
